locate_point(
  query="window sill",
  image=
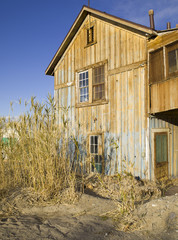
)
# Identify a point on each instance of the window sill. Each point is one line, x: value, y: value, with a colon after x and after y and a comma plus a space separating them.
x: 87, y: 104
x: 90, y: 44
x: 165, y: 80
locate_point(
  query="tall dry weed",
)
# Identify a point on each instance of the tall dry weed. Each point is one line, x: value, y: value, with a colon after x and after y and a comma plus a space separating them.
x: 34, y: 154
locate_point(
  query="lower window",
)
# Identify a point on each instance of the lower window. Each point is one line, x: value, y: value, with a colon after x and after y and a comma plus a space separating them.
x: 95, y: 153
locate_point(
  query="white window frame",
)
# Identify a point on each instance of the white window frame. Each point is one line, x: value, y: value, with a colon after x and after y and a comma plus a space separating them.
x: 83, y: 86
x: 91, y: 100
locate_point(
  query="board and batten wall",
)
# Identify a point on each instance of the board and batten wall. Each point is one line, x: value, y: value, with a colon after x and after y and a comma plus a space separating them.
x: 122, y: 117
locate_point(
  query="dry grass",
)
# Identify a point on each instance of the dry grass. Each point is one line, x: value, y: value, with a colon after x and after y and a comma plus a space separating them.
x: 128, y: 194
x: 35, y: 156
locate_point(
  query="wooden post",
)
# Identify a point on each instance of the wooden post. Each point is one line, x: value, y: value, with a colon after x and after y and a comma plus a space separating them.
x: 88, y: 3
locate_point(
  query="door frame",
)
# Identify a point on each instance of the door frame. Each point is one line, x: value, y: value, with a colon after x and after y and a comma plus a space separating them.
x: 153, y: 160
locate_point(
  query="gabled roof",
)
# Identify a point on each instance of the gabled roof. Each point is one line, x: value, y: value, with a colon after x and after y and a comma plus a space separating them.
x: 143, y: 30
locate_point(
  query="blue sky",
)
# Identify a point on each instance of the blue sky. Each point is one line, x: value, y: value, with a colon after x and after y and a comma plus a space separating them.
x: 32, y: 30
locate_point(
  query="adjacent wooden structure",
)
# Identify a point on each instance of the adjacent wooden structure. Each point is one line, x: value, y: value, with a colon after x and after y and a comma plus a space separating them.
x: 101, y: 80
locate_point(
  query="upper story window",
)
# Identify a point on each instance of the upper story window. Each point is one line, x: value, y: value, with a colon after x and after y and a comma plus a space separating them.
x: 83, y: 86
x: 90, y: 35
x: 156, y: 66
x: 172, y: 52
x: 91, y: 87
x: 98, y: 83
x: 90, y: 29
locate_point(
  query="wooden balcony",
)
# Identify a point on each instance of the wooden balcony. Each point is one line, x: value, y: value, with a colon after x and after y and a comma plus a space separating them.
x: 164, y: 100
x: 163, y: 77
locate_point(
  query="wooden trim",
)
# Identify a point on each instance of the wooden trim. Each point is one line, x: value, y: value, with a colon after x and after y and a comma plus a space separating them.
x: 164, y: 80
x: 63, y: 85
x: 87, y: 104
x: 90, y: 80
x: 160, y: 41
x: 92, y: 66
x: 127, y: 67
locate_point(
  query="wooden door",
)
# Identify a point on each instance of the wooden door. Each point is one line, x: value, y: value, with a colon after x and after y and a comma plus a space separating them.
x: 161, y: 155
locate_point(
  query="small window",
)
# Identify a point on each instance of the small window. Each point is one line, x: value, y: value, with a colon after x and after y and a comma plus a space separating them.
x: 98, y: 83
x: 172, y: 58
x: 83, y: 87
x: 156, y: 66
x: 96, y: 157
x: 90, y: 35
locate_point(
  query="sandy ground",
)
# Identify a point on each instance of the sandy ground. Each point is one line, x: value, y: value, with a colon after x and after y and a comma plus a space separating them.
x: 86, y: 219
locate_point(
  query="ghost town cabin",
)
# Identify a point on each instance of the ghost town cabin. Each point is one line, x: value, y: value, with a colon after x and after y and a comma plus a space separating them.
x: 118, y: 81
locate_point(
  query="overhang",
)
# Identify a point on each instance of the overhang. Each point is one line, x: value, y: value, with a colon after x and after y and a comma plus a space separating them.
x: 140, y: 29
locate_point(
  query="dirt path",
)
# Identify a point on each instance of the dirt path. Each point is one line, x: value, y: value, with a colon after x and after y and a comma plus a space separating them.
x: 83, y: 221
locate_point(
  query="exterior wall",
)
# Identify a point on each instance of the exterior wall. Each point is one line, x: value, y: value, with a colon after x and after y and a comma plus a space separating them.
x: 121, y: 118
x: 156, y: 125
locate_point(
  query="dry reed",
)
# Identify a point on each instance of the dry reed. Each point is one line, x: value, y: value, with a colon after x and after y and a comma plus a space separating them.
x: 34, y: 153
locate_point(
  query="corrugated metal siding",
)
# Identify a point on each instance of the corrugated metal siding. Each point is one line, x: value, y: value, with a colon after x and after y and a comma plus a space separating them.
x: 130, y: 119
x: 173, y: 145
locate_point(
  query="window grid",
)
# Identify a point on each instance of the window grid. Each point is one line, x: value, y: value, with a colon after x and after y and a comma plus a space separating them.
x: 98, y: 83
x: 96, y: 159
x: 83, y: 86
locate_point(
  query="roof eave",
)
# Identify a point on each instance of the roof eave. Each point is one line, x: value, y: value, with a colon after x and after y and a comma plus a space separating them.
x: 76, y: 25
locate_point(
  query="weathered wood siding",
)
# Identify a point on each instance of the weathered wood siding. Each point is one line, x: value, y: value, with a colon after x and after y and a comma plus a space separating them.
x: 164, y: 96
x: 123, y: 116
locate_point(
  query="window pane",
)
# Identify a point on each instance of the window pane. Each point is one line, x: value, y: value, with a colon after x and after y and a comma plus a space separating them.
x: 98, y: 167
x: 156, y: 70
x: 164, y: 148
x: 172, y: 57
x: 96, y: 148
x: 96, y: 159
x: 80, y: 84
x: 92, y: 149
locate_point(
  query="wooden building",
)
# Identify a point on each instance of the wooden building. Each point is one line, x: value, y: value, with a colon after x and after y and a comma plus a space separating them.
x: 104, y: 79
